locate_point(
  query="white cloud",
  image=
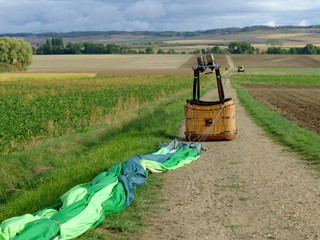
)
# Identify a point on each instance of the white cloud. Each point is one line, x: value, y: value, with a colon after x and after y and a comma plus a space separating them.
x: 147, y: 9
x: 303, y: 23
x: 281, y: 5
x: 271, y: 23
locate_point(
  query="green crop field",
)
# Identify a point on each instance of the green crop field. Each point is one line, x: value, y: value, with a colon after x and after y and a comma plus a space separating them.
x: 59, y: 130
x: 37, y: 106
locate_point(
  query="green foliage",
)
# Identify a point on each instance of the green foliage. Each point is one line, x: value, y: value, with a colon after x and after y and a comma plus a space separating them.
x: 308, y: 49
x: 4, y: 67
x: 311, y: 49
x: 218, y: 50
x: 15, y: 50
x: 160, y: 51
x: 56, y: 46
x: 240, y: 48
x: 149, y: 50
x: 277, y: 50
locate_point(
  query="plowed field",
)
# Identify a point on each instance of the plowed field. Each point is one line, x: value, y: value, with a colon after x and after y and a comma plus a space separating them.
x: 298, y: 103
x: 276, y: 61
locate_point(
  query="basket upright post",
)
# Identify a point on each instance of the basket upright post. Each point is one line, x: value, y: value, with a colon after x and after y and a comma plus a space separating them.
x: 196, y: 84
x: 219, y: 83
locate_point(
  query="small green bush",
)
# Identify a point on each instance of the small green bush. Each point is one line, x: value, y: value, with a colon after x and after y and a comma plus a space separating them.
x: 4, y: 67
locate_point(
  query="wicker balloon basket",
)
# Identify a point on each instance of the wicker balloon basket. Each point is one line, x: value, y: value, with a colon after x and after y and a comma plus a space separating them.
x: 213, y: 122
x: 209, y: 121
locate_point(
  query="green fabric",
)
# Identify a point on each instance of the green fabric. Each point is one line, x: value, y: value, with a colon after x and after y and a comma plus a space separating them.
x: 86, y: 205
x: 40, y: 229
x: 180, y: 158
x: 13, y: 226
x: 116, y: 202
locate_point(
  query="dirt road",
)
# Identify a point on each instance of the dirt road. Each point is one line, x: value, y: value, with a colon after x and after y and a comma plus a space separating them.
x: 248, y: 188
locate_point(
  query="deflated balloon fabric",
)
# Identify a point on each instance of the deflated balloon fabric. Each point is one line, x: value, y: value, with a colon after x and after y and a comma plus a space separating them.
x: 86, y: 205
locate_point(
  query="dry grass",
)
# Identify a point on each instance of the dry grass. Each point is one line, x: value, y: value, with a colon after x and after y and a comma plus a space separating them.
x: 284, y: 35
x: 192, y: 41
x: 43, y: 76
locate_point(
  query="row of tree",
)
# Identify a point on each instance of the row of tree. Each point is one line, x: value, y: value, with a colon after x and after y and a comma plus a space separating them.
x: 55, y: 45
x: 246, y: 48
x: 308, y: 49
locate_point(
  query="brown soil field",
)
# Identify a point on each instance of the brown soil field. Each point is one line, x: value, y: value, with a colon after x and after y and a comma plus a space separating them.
x: 276, y: 61
x: 298, y: 103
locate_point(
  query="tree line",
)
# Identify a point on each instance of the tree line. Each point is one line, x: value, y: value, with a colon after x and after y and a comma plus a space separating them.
x: 56, y: 45
x: 308, y: 49
x: 246, y: 48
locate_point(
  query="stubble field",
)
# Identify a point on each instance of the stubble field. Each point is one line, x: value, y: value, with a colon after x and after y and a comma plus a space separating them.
x: 119, y: 64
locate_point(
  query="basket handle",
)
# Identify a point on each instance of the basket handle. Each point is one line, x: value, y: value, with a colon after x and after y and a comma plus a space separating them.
x: 196, y: 81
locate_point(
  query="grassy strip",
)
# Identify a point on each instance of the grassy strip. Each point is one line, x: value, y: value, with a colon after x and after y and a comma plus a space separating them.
x: 284, y: 131
x: 295, y: 70
x: 278, y: 79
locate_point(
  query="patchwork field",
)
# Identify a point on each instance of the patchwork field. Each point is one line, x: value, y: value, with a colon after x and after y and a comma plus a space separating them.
x: 119, y: 64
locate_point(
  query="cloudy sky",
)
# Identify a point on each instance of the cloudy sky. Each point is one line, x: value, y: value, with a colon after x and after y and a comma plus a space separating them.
x: 154, y: 15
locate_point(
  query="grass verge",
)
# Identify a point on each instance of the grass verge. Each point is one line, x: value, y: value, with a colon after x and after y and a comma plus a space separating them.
x: 281, y: 129
x: 278, y: 79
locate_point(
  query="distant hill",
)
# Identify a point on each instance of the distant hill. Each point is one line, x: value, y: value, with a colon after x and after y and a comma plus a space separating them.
x: 256, y: 35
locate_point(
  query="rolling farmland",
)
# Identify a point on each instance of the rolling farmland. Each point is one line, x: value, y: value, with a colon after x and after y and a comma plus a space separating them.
x: 66, y: 95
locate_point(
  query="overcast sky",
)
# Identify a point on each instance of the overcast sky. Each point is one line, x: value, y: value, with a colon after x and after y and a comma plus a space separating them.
x: 153, y: 15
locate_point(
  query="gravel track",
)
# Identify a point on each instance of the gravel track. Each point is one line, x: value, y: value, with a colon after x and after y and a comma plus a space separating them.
x: 247, y: 188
